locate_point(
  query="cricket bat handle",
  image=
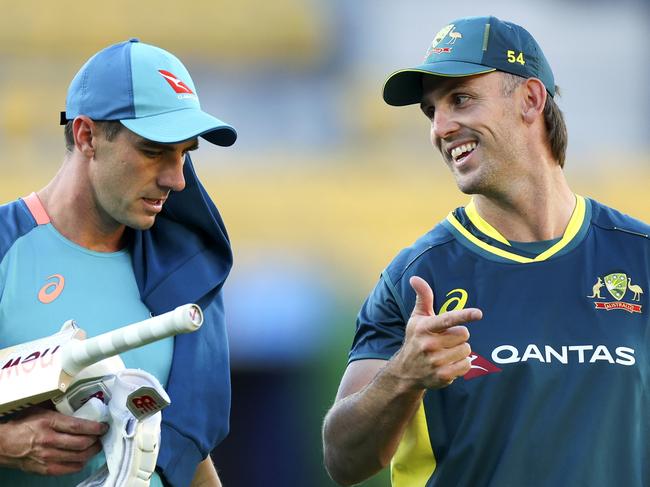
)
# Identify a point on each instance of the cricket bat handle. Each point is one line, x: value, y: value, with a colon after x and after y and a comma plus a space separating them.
x: 79, y: 354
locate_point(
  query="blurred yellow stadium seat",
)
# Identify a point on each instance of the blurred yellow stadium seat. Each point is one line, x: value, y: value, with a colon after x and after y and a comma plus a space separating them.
x: 237, y: 31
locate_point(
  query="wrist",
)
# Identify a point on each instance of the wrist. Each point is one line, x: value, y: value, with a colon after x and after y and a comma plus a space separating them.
x: 394, y: 379
x: 5, y: 459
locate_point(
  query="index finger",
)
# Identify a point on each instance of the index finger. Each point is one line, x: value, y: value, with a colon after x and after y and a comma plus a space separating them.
x: 436, y: 324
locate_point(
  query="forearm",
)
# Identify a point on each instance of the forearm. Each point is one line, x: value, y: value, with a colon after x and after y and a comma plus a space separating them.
x: 377, y: 401
x: 362, y: 431
x: 206, y: 475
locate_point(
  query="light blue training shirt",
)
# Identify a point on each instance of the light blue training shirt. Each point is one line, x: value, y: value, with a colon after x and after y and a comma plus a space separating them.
x: 45, y: 280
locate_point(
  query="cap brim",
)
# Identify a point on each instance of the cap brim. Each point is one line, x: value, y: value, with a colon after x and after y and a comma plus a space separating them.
x: 180, y: 125
x: 404, y: 87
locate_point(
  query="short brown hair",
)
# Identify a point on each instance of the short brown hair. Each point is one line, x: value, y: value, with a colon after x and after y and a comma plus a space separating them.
x: 558, y: 137
x: 110, y: 128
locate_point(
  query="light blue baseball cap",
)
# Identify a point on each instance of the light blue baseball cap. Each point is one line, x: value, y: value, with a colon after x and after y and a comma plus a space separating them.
x: 148, y: 90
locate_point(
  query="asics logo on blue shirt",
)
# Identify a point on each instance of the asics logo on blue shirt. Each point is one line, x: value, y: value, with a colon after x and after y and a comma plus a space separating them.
x: 51, y: 290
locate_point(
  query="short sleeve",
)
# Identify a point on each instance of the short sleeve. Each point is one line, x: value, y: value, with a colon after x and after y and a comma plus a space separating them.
x: 380, y: 325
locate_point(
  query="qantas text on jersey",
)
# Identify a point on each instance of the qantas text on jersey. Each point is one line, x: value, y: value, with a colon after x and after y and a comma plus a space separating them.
x: 507, y: 354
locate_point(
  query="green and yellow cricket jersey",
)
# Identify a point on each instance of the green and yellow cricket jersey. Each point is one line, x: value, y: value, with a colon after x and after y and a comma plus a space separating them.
x: 559, y: 389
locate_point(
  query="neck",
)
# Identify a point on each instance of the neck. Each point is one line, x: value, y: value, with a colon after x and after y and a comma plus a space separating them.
x: 70, y: 204
x: 530, y: 212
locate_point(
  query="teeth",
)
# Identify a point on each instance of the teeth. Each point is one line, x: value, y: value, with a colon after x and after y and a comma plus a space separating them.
x: 461, y: 149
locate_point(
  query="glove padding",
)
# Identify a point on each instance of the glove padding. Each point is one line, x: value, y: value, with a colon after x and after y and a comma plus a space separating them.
x: 132, y: 442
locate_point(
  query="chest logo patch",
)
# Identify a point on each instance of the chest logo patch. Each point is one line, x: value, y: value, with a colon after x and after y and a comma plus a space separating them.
x: 52, y: 289
x: 480, y: 366
x: 448, y: 30
x: 618, y: 285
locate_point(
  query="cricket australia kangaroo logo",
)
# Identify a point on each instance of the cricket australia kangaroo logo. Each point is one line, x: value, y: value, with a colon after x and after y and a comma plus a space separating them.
x: 449, y: 31
x: 618, y: 284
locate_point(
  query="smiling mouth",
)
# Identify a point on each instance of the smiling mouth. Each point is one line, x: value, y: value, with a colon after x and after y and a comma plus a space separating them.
x: 462, y: 152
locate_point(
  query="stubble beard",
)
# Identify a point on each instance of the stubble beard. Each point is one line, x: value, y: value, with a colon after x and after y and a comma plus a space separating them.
x: 480, y: 180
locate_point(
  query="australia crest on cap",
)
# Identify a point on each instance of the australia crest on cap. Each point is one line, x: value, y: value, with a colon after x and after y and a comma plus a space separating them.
x: 440, y: 36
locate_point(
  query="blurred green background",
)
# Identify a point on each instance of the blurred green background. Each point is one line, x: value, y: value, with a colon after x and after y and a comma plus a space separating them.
x: 326, y: 183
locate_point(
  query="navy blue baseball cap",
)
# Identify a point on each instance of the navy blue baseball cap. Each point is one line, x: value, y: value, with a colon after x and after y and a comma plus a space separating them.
x: 148, y: 90
x: 469, y: 46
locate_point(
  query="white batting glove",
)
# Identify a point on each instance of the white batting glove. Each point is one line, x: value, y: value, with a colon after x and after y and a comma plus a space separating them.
x: 132, y: 443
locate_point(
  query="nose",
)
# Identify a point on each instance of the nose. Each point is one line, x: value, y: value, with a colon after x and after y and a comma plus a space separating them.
x: 171, y: 175
x: 442, y: 125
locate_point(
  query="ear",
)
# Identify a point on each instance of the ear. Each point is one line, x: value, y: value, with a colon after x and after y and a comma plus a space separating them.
x: 533, y: 100
x: 84, y: 131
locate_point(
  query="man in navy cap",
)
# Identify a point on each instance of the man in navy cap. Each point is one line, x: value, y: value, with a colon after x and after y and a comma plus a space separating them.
x: 123, y: 231
x: 522, y: 371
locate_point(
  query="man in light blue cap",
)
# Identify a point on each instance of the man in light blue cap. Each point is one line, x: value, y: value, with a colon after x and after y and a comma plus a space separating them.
x: 123, y: 231
x: 551, y: 387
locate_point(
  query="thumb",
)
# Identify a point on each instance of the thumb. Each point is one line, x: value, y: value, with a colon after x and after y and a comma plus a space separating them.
x: 423, y: 297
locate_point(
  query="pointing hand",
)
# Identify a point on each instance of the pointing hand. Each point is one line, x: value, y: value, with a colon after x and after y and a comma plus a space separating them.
x: 435, y: 350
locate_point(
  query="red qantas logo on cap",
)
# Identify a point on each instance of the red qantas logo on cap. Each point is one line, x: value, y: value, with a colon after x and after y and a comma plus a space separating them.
x: 175, y: 83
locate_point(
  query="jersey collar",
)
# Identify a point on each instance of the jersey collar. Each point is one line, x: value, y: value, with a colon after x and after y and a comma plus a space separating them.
x: 36, y: 209
x: 472, y: 231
